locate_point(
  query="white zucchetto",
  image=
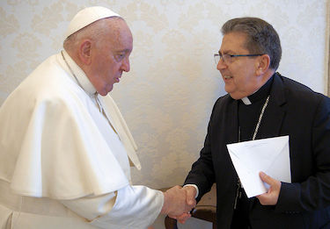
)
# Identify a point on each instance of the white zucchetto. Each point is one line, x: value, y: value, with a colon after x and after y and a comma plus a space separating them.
x: 87, y: 16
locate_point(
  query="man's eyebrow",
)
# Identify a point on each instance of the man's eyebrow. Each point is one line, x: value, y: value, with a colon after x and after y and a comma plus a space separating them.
x: 123, y: 50
x: 225, y: 52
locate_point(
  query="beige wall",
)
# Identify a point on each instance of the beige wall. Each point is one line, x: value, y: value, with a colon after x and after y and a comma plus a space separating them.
x: 169, y: 93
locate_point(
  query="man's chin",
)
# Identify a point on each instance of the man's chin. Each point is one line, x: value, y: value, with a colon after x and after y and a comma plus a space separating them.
x: 105, y: 91
x: 110, y: 89
x: 235, y: 96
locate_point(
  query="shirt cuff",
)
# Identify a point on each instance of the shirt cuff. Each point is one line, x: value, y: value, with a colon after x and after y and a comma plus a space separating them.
x: 195, y: 186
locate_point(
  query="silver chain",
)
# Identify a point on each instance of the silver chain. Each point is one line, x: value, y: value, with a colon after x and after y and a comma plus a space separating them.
x: 260, y: 118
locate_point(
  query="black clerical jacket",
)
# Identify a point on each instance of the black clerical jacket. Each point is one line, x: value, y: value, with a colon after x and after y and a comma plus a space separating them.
x: 293, y: 110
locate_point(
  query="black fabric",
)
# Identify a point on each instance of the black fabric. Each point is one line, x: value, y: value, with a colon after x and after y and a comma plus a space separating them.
x: 293, y: 110
x: 248, y: 115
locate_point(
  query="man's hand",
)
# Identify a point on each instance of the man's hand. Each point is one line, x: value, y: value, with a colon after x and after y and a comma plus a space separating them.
x: 190, y: 201
x: 178, y: 200
x: 271, y: 196
x: 181, y: 218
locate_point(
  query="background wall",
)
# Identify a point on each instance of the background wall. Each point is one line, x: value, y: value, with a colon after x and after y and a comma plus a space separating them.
x: 168, y: 95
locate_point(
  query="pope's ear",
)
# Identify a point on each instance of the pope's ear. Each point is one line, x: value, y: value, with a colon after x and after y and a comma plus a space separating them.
x: 262, y: 64
x: 85, y: 53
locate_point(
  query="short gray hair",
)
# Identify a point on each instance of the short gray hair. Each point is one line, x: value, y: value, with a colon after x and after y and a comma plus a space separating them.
x: 262, y: 38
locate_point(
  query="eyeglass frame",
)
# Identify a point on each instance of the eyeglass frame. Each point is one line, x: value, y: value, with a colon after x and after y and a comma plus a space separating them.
x: 218, y: 55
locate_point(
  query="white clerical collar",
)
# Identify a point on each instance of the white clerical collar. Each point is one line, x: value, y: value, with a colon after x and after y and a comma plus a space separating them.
x: 246, y: 101
x: 79, y: 74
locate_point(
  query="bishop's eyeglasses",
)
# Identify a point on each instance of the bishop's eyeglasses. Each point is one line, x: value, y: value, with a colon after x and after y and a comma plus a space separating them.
x: 228, y: 58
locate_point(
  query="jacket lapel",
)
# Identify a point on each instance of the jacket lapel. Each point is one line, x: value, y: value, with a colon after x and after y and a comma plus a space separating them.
x: 275, y: 111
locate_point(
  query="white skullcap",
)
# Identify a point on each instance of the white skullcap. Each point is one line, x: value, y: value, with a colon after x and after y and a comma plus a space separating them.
x: 88, y: 16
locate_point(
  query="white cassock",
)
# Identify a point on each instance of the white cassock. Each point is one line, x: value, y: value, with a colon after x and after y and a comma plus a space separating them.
x: 61, y: 164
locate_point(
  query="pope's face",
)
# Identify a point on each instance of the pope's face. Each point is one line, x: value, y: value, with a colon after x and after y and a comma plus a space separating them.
x: 111, y: 58
x: 239, y: 74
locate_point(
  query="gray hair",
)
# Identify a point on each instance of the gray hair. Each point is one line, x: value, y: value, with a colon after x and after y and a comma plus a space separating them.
x: 261, y: 37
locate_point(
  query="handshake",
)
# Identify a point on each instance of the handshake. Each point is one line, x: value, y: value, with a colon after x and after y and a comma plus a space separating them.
x: 178, y: 202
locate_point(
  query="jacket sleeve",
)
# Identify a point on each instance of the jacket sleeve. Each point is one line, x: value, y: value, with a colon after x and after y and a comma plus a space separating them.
x: 129, y: 207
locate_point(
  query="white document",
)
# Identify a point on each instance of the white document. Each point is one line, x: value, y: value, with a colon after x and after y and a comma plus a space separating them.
x: 270, y: 155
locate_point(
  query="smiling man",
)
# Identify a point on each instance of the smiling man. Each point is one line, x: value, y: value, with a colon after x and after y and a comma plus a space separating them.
x: 243, y: 73
x: 260, y: 104
x: 65, y: 149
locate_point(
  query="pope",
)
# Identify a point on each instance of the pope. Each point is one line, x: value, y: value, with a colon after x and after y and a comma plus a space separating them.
x: 65, y: 149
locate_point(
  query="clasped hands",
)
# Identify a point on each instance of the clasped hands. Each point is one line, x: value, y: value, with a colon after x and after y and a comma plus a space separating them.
x: 178, y: 202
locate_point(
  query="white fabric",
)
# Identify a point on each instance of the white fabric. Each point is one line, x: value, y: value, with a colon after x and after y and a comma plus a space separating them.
x: 56, y: 145
x: 122, y: 130
x: 60, y: 145
x: 5, y: 218
x: 125, y: 213
x: 111, y: 110
x: 130, y: 207
x: 22, y: 220
x: 21, y: 212
x: 195, y: 186
x: 88, y: 16
x: 246, y: 101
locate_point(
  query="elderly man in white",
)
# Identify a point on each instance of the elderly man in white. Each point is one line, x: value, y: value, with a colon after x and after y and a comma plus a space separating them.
x: 65, y: 149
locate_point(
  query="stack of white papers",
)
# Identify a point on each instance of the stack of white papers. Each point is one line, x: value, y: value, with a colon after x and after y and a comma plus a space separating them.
x: 270, y: 156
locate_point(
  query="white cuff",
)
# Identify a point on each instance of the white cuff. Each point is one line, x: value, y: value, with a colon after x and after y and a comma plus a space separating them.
x: 195, y: 186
